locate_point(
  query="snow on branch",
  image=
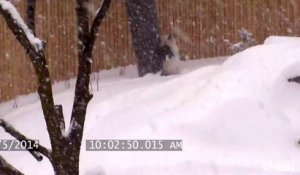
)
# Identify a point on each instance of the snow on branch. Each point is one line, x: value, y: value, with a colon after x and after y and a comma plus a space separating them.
x: 8, y: 9
x: 35, y: 49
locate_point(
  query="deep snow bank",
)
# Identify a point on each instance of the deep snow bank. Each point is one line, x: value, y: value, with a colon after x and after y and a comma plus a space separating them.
x: 282, y: 40
x: 241, y: 117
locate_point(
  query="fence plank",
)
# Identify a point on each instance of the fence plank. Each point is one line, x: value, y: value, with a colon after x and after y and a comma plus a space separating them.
x: 207, y: 23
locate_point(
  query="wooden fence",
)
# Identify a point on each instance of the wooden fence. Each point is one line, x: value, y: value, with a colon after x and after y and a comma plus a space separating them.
x: 202, y: 24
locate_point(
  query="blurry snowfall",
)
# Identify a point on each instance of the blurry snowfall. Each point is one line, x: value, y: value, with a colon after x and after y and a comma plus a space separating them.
x: 239, y: 117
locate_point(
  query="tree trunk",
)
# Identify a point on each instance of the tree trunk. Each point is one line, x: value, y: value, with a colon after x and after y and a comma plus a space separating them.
x: 65, y: 158
x: 145, y: 33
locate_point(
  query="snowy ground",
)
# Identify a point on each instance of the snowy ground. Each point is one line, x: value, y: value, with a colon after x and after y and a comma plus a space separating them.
x: 240, y: 117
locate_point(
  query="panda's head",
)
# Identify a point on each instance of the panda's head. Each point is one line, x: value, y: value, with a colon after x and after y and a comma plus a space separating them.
x: 168, y: 40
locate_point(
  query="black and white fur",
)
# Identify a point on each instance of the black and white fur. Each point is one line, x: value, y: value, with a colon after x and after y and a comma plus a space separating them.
x: 169, y: 51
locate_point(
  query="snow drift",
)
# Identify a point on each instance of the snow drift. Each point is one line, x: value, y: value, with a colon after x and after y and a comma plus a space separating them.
x: 240, y: 117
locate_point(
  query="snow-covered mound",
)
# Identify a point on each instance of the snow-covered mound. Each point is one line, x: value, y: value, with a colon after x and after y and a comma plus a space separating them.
x: 282, y: 40
x: 238, y: 118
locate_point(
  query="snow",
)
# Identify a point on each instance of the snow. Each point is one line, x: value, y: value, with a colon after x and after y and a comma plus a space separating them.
x: 238, y: 117
x: 282, y: 40
x: 35, y: 42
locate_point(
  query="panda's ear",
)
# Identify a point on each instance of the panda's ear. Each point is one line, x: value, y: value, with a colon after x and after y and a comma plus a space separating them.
x: 172, y: 36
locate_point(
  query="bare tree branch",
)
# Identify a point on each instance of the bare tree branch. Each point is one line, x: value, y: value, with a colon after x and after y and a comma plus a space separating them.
x: 31, y: 15
x: 16, y: 134
x: 19, y: 28
x: 65, y: 152
x: 82, y: 24
x: 95, y: 25
x: 60, y: 116
x: 294, y: 79
x: 37, y: 56
x: 8, y: 169
x: 82, y: 94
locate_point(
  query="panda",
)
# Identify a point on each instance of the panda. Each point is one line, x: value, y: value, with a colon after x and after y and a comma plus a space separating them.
x: 169, y: 52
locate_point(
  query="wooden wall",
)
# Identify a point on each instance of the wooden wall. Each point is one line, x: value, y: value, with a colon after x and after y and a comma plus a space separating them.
x: 202, y: 24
